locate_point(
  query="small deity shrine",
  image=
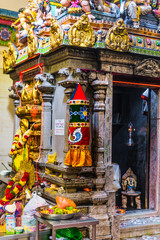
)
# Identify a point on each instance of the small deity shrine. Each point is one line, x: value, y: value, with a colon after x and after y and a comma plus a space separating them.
x: 80, y: 74
x: 129, y: 184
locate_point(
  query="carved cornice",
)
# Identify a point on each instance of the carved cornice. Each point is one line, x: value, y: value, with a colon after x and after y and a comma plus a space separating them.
x: 148, y: 67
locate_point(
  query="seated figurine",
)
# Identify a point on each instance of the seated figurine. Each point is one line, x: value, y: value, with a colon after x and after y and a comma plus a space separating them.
x: 129, y: 184
x: 134, y: 8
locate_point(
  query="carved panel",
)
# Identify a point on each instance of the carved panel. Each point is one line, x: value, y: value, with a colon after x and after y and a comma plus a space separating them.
x: 148, y: 67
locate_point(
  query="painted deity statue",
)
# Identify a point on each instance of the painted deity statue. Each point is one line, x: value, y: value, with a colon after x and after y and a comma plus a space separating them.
x: 23, y: 24
x: 107, y: 6
x: 84, y: 4
x: 130, y: 183
x: 19, y: 150
x: 18, y: 190
x: 44, y: 17
x: 135, y: 8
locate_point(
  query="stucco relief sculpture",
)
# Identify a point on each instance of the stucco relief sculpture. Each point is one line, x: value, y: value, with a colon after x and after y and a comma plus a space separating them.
x: 81, y: 33
x: 107, y: 7
x: 134, y: 8
x: 56, y: 34
x: 148, y: 67
x: 31, y: 42
x: 5, y: 61
x: 84, y: 4
x: 30, y: 110
x: 117, y: 37
x: 12, y: 54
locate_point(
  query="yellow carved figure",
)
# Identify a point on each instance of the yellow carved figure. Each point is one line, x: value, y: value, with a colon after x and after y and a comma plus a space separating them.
x: 12, y: 55
x: 31, y: 42
x: 19, y: 150
x: 5, y: 61
x: 56, y: 34
x: 81, y: 33
x: 27, y: 93
x: 117, y: 38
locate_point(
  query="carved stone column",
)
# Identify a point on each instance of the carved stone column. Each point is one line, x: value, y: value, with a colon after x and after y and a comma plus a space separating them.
x: 16, y: 103
x: 99, y: 83
x: 47, y: 92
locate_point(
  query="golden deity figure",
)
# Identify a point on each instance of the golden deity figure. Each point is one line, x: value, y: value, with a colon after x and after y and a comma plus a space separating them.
x: 81, y: 33
x: 56, y: 36
x: 27, y: 93
x: 5, y: 61
x: 12, y: 54
x: 19, y: 150
x: 117, y: 37
x: 32, y: 43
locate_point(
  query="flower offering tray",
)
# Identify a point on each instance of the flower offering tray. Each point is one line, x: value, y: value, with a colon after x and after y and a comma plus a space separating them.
x: 51, y: 216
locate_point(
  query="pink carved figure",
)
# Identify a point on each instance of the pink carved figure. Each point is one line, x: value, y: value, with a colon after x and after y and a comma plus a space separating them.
x: 84, y: 4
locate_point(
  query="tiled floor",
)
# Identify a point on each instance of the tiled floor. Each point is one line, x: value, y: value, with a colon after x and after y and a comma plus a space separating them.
x: 155, y: 237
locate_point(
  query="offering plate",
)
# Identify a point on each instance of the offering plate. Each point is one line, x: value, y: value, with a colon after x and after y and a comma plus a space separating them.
x: 51, y: 216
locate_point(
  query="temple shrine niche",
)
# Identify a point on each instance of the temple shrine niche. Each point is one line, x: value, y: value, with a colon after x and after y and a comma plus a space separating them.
x: 68, y: 62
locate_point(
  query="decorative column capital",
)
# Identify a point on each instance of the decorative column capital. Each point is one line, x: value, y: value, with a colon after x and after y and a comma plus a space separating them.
x: 71, y: 78
x: 44, y: 83
x: 99, y: 83
x: 13, y: 95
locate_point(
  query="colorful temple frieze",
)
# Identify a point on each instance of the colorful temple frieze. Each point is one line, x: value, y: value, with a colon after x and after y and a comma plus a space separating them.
x: 44, y: 25
x: 7, y: 33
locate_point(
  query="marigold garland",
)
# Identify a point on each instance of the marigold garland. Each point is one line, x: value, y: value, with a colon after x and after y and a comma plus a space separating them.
x: 11, y: 193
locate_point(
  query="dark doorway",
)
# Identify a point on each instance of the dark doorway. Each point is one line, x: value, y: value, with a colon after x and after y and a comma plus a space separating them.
x: 129, y: 107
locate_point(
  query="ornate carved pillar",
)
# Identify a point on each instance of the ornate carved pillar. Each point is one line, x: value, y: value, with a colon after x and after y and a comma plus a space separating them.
x: 47, y: 92
x: 72, y: 78
x: 16, y: 103
x: 99, y: 83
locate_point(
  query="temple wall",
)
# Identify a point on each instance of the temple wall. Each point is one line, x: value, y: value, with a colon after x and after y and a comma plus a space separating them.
x: 6, y: 115
x: 13, y: 5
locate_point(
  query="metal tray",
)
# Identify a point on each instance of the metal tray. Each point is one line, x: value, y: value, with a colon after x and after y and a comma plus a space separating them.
x: 53, y: 216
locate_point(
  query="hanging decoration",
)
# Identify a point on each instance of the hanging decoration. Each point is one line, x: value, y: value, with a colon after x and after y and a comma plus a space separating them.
x: 13, y: 189
x: 78, y: 134
x: 145, y: 97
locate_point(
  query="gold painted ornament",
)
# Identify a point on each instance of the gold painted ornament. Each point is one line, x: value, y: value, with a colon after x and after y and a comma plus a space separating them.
x: 81, y: 33
x: 117, y: 37
x: 32, y: 43
x: 56, y: 34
